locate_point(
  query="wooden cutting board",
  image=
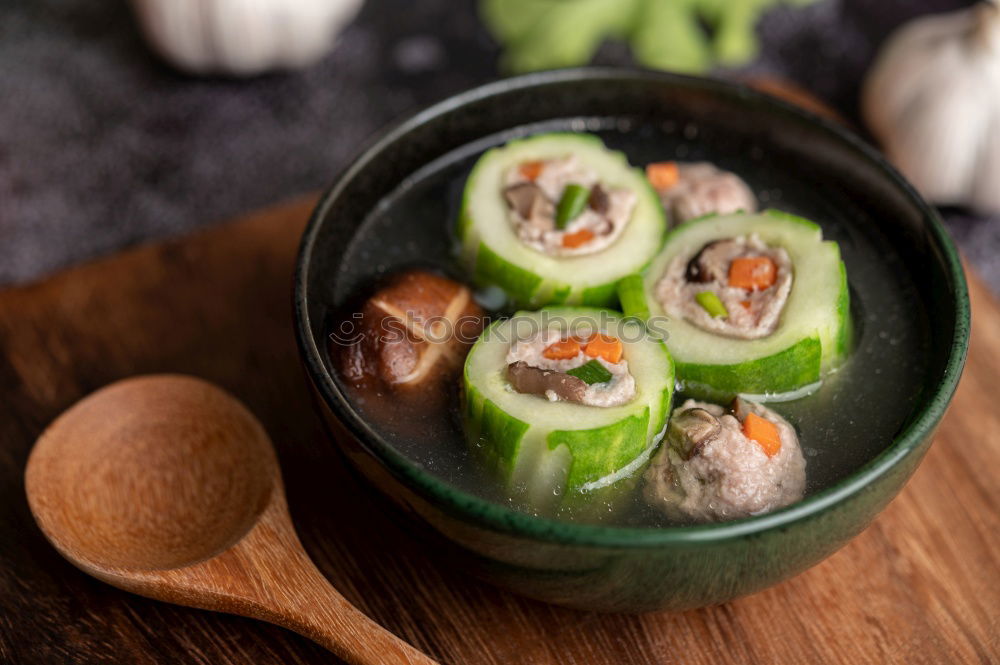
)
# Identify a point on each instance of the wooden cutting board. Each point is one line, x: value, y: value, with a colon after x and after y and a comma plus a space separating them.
x: 921, y: 585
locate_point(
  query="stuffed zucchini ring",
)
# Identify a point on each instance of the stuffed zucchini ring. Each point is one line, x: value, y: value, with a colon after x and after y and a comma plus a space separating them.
x: 557, y: 218
x: 748, y: 304
x: 567, y: 402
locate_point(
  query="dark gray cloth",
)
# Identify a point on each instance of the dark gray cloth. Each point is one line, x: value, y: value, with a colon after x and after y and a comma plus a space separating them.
x: 103, y: 146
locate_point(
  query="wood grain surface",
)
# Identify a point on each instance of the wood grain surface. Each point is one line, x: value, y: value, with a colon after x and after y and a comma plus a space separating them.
x: 921, y: 585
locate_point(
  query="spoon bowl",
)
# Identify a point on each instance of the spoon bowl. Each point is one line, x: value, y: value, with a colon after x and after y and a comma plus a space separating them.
x: 169, y: 487
x: 135, y: 477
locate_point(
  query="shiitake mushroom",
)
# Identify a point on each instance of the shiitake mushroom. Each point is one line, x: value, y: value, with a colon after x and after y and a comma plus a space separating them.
x: 527, y: 200
x: 413, y: 333
x: 688, y: 431
x: 705, y: 267
x: 536, y: 381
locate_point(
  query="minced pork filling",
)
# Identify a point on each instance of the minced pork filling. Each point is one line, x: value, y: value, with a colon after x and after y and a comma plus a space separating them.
x: 551, y: 365
x: 535, y: 192
x: 711, y: 468
x: 694, y: 189
x: 737, y: 287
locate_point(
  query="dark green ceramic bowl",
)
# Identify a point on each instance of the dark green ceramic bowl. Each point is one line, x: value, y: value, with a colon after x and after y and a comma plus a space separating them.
x: 827, y: 174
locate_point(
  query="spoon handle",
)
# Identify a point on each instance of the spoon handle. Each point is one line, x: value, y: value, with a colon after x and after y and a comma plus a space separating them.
x: 302, y: 600
x: 267, y: 575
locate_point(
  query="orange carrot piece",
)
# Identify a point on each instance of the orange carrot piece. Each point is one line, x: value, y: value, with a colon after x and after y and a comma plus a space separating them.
x: 753, y: 273
x: 662, y: 175
x: 577, y: 238
x: 604, y: 346
x: 530, y: 170
x: 746, y: 304
x: 561, y: 350
x: 764, y: 432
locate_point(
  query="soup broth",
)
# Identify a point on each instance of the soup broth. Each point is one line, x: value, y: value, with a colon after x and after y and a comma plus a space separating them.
x: 846, y: 423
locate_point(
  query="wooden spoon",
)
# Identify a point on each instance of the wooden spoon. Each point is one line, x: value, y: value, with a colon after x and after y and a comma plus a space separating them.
x: 168, y: 487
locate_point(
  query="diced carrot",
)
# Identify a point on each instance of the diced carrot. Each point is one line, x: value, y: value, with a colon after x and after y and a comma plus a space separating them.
x: 753, y: 273
x: 604, y: 346
x: 563, y: 349
x: 764, y: 432
x: 530, y: 170
x: 746, y: 304
x: 662, y: 175
x: 577, y: 238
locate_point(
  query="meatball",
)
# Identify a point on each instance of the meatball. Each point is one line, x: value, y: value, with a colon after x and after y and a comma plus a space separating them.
x: 701, y: 188
x: 709, y: 469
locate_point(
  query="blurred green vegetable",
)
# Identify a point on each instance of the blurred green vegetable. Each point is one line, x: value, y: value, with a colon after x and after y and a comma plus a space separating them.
x: 679, y: 35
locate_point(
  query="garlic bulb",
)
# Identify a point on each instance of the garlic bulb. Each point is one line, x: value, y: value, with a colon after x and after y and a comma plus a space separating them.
x: 242, y: 37
x: 933, y: 99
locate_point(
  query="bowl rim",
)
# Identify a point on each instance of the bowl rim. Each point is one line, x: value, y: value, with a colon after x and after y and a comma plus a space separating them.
x: 502, y: 518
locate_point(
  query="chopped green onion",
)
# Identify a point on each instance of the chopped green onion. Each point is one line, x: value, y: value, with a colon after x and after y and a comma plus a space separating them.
x: 591, y: 373
x: 573, y: 201
x: 711, y: 304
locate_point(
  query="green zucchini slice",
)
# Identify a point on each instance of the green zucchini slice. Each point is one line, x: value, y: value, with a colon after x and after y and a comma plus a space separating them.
x: 495, y: 255
x: 813, y: 333
x: 551, y: 454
